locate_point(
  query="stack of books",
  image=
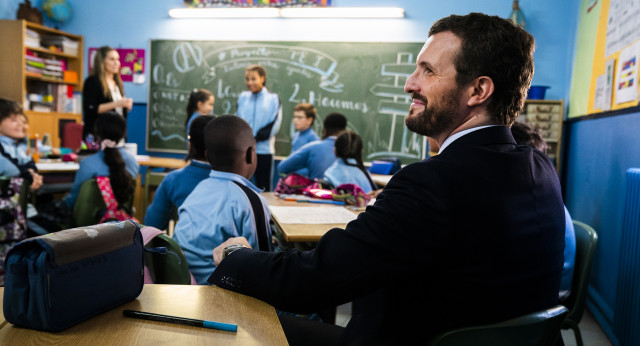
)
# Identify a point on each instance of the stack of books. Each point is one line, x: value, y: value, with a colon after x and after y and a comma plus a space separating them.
x: 53, y: 69
x: 35, y: 66
x: 61, y: 43
x: 32, y: 39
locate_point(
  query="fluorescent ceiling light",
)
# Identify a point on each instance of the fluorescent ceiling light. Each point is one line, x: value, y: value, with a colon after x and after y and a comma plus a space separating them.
x: 290, y: 12
x: 224, y: 12
x: 342, y: 12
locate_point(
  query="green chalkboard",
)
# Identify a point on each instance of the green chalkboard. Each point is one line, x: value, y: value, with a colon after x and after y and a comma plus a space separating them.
x: 362, y: 80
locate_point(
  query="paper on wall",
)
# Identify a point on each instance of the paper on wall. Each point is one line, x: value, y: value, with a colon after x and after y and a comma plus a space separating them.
x: 626, y: 85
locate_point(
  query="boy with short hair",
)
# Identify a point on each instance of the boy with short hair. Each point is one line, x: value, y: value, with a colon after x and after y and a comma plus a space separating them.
x: 317, y: 156
x: 219, y: 207
x: 304, y: 114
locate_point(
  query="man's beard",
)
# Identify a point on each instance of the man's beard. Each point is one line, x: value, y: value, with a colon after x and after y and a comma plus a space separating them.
x: 436, y: 119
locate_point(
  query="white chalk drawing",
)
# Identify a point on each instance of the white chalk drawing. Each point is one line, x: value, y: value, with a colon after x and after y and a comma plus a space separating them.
x: 395, y: 102
x: 169, y: 95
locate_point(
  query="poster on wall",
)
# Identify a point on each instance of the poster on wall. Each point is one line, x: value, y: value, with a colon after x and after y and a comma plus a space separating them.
x: 608, y: 84
x: 623, y: 25
x: 627, y: 75
x: 131, y: 63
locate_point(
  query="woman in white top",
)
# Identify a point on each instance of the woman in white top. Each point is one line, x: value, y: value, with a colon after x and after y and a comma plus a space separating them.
x: 102, y: 91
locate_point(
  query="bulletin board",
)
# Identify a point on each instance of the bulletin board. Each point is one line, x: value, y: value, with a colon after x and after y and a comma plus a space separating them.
x: 606, y: 79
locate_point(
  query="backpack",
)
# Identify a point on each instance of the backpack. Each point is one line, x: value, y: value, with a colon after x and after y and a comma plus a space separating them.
x: 164, y: 261
x: 13, y: 226
x: 113, y: 212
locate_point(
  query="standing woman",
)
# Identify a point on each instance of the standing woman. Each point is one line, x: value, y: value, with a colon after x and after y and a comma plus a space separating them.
x: 102, y: 90
x: 263, y: 111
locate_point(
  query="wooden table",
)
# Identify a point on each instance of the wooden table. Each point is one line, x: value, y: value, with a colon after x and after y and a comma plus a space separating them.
x: 301, y: 232
x: 257, y: 321
x: 151, y: 162
x: 381, y: 179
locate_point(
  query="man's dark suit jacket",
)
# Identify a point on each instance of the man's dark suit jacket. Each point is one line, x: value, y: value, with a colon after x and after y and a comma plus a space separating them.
x: 471, y: 236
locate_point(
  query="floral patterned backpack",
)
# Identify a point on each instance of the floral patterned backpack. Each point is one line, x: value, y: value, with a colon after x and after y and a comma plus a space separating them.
x: 113, y: 212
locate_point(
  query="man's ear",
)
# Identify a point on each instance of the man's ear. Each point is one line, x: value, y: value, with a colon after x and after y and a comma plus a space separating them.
x: 482, y: 90
x: 248, y: 155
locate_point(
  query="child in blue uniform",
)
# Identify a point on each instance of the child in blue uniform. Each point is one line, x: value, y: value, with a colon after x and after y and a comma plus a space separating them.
x: 348, y: 167
x: 316, y: 156
x: 14, y: 161
x: 304, y: 115
x: 110, y: 161
x: 218, y: 208
x: 262, y: 110
x: 178, y: 184
x: 200, y: 103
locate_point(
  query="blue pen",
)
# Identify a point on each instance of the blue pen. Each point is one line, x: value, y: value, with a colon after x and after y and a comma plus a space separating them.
x: 325, y: 201
x: 181, y: 320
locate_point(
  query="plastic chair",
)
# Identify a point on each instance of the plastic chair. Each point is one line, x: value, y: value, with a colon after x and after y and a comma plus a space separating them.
x: 586, y: 241
x: 72, y: 135
x: 538, y: 328
x: 89, y: 206
x: 170, y: 267
x: 151, y: 179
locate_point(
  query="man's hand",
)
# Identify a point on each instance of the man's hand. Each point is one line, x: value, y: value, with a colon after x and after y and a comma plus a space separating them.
x: 219, y: 251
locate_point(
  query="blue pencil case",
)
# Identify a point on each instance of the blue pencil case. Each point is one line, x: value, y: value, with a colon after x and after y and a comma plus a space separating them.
x: 60, y: 279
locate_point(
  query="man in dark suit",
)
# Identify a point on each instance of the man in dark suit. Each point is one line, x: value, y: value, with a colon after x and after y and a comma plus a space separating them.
x: 473, y: 235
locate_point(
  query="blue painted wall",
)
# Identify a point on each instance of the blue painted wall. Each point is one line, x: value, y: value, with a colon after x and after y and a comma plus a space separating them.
x: 598, y: 152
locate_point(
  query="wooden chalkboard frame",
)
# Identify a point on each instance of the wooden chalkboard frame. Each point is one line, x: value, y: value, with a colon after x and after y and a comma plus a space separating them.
x: 363, y: 80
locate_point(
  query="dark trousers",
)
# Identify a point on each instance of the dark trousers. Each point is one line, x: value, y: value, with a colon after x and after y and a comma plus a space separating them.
x: 300, y: 331
x: 263, y: 175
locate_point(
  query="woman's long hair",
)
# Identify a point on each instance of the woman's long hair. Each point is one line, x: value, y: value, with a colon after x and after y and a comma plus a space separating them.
x: 349, y: 146
x: 98, y: 70
x: 112, y: 126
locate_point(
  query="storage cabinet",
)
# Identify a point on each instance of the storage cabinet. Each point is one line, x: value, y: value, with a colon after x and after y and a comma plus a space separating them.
x: 547, y: 116
x: 38, y: 67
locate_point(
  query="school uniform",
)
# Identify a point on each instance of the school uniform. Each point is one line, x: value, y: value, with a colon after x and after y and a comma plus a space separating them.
x: 315, y: 156
x: 215, y: 211
x: 263, y: 112
x: 300, y: 138
x: 173, y: 190
x: 341, y: 173
x: 94, y: 166
x: 15, y: 152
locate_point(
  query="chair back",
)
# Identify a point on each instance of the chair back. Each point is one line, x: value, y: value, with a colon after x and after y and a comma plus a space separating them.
x: 539, y: 328
x: 586, y: 241
x: 170, y: 267
x: 89, y: 206
x: 72, y: 135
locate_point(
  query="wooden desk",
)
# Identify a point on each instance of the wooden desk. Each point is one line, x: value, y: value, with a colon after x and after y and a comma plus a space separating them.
x: 151, y: 162
x: 381, y: 179
x: 257, y: 321
x: 301, y: 232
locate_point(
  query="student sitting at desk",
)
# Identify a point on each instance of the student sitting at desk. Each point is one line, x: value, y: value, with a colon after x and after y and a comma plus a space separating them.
x: 14, y: 160
x: 348, y: 167
x: 219, y: 207
x: 200, y: 103
x: 319, y: 155
x: 110, y: 161
x: 178, y: 184
x: 304, y: 115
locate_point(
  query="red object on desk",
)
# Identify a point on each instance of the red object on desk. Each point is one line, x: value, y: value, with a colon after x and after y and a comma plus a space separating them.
x: 72, y: 157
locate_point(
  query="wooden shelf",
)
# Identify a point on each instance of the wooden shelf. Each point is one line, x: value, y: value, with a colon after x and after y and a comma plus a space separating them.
x: 17, y: 83
x: 52, y: 52
x: 33, y: 76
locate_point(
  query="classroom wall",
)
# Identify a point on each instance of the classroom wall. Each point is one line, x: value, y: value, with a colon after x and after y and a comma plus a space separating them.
x: 131, y: 24
x: 599, y: 151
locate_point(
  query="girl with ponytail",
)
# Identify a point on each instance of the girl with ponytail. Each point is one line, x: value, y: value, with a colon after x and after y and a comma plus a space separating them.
x: 348, y: 167
x: 110, y: 161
